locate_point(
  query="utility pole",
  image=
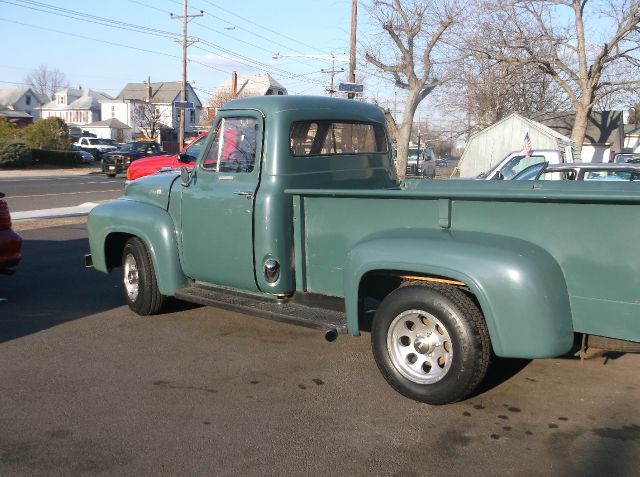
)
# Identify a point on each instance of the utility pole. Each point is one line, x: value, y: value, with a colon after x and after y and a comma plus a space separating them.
x: 332, y: 71
x: 352, y: 50
x: 185, y: 43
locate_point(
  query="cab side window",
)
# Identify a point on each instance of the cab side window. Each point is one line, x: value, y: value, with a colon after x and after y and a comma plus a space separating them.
x: 233, y: 148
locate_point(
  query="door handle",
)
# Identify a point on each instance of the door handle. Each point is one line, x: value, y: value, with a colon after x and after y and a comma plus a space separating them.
x: 247, y: 194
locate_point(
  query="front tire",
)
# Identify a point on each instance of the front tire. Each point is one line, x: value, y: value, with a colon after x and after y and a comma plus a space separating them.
x: 139, y: 279
x: 431, y: 344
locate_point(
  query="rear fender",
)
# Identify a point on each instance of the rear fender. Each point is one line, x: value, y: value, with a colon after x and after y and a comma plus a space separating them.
x: 151, y: 224
x: 520, y: 287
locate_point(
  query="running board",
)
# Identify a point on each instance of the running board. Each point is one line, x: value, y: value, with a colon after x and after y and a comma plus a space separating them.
x: 283, y: 310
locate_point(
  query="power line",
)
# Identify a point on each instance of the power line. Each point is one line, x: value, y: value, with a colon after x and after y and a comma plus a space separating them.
x: 235, y: 14
x: 76, y: 15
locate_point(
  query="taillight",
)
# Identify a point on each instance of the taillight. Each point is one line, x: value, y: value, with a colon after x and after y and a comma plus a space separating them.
x: 5, y: 217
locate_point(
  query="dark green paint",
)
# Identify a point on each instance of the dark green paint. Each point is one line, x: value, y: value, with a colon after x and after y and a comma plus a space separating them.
x: 544, y: 259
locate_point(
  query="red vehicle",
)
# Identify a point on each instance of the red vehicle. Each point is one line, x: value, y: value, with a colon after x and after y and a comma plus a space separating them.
x: 10, y: 242
x: 151, y: 165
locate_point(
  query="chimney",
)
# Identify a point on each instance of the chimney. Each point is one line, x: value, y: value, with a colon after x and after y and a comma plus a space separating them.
x: 234, y: 85
x: 149, y: 90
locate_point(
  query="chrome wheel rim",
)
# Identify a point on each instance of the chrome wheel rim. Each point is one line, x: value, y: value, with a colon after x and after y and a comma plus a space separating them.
x: 420, y: 347
x: 130, y: 277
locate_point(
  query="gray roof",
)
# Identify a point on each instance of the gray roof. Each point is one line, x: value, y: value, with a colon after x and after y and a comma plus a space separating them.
x: 111, y: 123
x: 161, y: 92
x: 86, y: 99
x: 9, y: 113
x: 252, y: 85
x: 604, y: 126
x: 10, y: 96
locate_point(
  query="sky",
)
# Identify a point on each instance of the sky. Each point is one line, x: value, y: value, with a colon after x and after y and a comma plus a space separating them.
x: 103, y: 45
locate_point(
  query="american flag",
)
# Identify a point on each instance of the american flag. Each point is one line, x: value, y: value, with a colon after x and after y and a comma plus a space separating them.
x: 527, y: 148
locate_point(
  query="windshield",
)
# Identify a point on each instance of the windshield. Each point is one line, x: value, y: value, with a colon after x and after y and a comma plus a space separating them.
x: 519, y: 163
x: 98, y: 142
x: 194, y: 149
x: 134, y: 146
x: 413, y: 153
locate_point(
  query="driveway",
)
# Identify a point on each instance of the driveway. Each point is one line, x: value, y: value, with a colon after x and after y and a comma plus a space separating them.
x: 88, y: 388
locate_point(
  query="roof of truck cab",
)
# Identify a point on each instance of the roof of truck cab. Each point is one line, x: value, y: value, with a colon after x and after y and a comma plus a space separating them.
x: 270, y: 105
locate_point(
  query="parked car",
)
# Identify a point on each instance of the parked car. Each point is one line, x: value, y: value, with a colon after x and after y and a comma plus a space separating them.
x: 151, y: 165
x: 425, y: 166
x: 515, y: 162
x: 442, y: 162
x: 86, y: 156
x: 10, y: 242
x: 271, y: 223
x: 586, y: 171
x: 118, y: 161
x: 95, y: 146
x: 623, y: 157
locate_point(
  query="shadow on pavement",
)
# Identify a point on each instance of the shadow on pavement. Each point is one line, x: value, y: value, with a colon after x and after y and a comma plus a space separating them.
x: 51, y: 285
x: 501, y: 370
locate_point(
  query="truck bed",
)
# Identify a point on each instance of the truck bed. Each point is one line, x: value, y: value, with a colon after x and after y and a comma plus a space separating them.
x: 590, y: 230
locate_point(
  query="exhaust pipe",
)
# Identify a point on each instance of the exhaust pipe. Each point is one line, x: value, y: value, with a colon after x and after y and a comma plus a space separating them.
x: 331, y: 335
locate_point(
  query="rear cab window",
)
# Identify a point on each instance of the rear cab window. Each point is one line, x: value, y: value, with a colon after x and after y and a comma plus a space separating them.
x: 324, y: 138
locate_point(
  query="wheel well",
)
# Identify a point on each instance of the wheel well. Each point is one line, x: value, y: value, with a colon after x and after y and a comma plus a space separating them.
x: 113, y: 247
x: 376, y: 285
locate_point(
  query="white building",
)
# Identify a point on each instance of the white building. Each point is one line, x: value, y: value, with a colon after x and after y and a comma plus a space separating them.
x: 111, y: 128
x: 23, y: 100
x: 161, y: 97
x: 76, y: 107
x: 252, y: 85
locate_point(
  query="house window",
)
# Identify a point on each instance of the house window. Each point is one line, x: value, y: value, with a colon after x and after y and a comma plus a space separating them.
x: 193, y: 116
x: 113, y: 111
x: 28, y: 99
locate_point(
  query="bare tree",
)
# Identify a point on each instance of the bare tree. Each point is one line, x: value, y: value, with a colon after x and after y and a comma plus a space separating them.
x: 217, y: 99
x: 586, y: 63
x: 634, y: 114
x: 149, y: 119
x: 487, y: 91
x: 47, y: 81
x: 416, y: 31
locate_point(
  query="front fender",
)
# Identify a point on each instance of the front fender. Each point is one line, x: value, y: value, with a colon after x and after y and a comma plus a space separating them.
x: 520, y: 287
x: 152, y: 225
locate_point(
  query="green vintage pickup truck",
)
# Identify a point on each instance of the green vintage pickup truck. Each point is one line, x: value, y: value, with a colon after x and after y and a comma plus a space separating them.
x: 293, y: 212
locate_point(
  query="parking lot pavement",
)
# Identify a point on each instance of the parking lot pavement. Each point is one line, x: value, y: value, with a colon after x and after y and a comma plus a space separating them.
x: 90, y: 388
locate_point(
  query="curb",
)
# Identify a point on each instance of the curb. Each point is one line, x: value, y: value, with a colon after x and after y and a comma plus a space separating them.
x: 60, y: 212
x: 28, y: 173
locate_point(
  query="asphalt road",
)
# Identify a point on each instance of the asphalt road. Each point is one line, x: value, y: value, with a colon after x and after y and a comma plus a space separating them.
x: 35, y: 193
x: 89, y: 388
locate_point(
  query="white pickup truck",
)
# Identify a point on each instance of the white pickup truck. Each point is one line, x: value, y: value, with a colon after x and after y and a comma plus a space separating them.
x: 517, y: 161
x: 95, y: 146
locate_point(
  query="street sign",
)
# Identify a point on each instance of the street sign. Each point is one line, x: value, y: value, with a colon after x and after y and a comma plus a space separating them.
x: 351, y: 88
x: 183, y: 104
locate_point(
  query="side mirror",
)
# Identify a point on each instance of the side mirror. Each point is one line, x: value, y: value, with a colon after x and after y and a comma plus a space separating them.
x: 499, y: 176
x: 186, y: 176
x: 183, y: 157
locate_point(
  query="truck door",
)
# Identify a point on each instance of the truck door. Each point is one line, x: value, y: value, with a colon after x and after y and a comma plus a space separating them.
x: 217, y: 206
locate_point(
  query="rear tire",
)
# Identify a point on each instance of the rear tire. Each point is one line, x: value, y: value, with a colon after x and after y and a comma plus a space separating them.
x: 431, y: 344
x: 139, y: 279
x: 111, y: 175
